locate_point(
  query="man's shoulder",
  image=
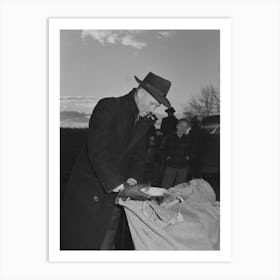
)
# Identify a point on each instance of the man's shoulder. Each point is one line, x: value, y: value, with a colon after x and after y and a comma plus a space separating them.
x: 109, y: 103
x: 107, y: 100
x: 113, y: 100
x: 111, y: 106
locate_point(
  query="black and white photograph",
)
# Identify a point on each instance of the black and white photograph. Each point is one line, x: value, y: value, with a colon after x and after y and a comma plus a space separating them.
x: 139, y: 139
x: 161, y: 168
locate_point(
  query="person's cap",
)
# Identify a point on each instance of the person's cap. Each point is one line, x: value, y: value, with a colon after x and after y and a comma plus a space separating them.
x: 157, y: 86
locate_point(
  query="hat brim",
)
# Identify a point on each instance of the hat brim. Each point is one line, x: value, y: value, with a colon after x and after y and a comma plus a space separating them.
x: 170, y: 110
x: 155, y: 93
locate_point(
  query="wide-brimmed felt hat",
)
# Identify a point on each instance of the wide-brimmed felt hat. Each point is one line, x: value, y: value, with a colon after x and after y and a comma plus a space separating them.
x: 157, y: 86
x: 170, y: 110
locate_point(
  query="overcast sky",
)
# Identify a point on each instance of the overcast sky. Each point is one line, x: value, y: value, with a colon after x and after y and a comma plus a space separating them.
x: 96, y: 63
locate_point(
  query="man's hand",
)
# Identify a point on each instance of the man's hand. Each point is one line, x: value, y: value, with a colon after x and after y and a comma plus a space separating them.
x: 130, y: 181
x: 134, y: 192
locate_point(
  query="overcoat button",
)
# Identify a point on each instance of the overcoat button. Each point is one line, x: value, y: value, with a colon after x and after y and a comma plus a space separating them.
x: 95, y: 198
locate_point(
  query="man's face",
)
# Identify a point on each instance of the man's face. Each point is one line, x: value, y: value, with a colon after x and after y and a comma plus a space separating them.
x: 147, y: 104
x: 182, y: 128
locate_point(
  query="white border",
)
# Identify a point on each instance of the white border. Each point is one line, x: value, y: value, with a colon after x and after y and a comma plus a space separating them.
x: 55, y: 25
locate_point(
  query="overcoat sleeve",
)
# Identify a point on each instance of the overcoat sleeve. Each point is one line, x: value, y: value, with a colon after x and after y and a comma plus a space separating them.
x: 99, y: 145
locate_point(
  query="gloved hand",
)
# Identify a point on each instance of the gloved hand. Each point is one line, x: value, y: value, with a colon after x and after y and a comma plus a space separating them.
x: 134, y: 192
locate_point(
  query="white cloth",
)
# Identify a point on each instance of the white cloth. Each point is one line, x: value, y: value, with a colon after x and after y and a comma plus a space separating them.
x: 193, y: 224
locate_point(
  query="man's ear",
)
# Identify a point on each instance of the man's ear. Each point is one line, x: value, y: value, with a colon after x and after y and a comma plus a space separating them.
x: 143, y: 95
x: 141, y: 92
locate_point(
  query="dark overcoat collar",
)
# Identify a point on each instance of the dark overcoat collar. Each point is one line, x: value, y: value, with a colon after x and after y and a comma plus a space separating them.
x: 141, y: 126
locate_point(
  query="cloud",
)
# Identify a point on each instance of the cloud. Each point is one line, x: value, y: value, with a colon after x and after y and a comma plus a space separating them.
x: 73, y: 115
x: 100, y: 36
x: 165, y: 33
x: 129, y: 41
x: 73, y: 125
x: 124, y: 37
x: 73, y: 119
x: 82, y: 104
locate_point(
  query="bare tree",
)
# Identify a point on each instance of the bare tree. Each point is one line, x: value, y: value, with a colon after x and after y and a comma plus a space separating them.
x: 207, y: 103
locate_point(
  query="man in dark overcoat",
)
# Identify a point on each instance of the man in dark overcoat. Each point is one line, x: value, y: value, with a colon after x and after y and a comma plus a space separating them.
x: 169, y: 123
x: 110, y: 164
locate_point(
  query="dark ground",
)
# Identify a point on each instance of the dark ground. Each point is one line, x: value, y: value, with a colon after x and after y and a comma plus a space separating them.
x: 71, y: 141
